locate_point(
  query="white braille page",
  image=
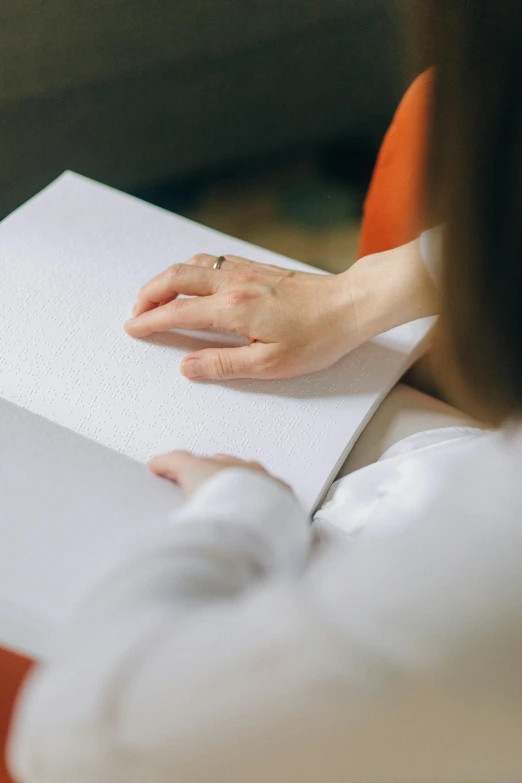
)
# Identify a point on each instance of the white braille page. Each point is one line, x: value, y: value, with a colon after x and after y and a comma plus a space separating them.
x: 70, y: 511
x: 71, y: 263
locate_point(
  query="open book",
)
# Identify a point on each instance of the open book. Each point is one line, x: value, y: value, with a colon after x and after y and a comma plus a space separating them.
x: 83, y: 406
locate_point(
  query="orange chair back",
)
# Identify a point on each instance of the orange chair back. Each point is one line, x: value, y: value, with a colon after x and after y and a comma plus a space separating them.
x: 393, y: 207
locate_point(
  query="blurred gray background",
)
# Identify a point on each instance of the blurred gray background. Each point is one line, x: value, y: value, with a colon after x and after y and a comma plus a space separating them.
x: 159, y: 96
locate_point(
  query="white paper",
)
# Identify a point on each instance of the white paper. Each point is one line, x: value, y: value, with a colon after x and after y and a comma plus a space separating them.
x: 70, y: 510
x: 71, y: 263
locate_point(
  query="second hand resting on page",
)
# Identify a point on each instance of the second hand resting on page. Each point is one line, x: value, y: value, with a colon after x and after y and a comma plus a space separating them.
x: 295, y: 322
x: 191, y: 472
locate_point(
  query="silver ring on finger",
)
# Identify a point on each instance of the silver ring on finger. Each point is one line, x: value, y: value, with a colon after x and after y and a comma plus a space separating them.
x: 217, y: 263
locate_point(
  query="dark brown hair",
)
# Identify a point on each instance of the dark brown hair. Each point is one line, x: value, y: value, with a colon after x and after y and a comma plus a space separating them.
x: 474, y: 186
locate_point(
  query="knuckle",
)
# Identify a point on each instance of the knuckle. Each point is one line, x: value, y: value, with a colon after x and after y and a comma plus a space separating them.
x: 199, y: 259
x: 221, y: 366
x: 176, y: 271
x: 236, y: 296
x: 202, y: 260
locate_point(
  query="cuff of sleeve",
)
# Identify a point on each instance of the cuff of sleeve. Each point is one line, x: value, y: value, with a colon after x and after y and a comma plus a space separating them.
x: 258, y: 505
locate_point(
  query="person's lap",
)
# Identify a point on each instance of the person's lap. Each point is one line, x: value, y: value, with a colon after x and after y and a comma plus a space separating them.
x: 404, y: 412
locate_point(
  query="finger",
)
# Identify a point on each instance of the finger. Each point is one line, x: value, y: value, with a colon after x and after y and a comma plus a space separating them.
x: 227, y: 460
x: 177, y: 279
x: 171, y: 465
x: 236, y: 460
x: 180, y: 314
x: 186, y: 470
x: 207, y: 261
x: 232, y: 263
x: 220, y: 364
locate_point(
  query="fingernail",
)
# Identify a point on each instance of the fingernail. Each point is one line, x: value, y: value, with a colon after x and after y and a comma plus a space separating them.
x: 192, y: 368
x: 135, y: 309
x: 132, y: 327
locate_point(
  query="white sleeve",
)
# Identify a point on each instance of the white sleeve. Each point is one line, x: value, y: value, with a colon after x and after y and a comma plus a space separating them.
x: 221, y: 658
x: 431, y: 243
x: 184, y: 594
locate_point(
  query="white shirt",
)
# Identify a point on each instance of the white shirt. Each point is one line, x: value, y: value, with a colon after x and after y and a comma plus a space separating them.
x: 382, y: 644
x: 233, y: 652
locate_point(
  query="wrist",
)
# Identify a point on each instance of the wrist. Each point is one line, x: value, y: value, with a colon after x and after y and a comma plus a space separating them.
x: 389, y: 289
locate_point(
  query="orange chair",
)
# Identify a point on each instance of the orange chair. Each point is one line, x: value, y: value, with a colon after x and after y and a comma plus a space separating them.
x: 13, y: 669
x: 391, y: 218
x: 392, y: 210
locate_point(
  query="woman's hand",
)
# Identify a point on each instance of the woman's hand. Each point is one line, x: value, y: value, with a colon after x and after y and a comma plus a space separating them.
x: 191, y: 472
x: 295, y: 322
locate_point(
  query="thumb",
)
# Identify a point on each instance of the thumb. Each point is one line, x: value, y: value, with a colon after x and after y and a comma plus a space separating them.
x: 220, y: 364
